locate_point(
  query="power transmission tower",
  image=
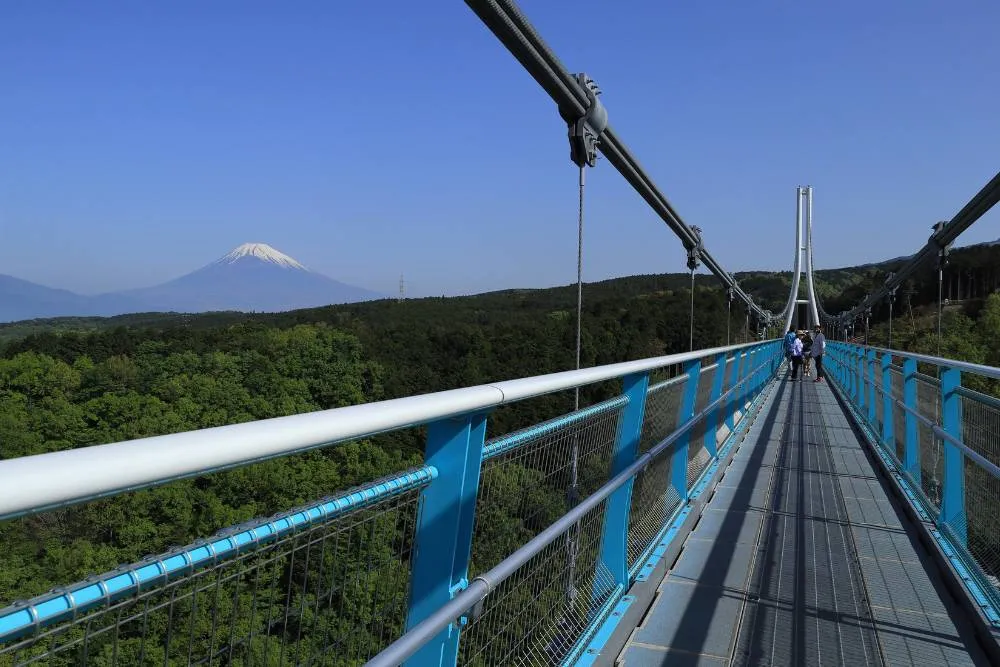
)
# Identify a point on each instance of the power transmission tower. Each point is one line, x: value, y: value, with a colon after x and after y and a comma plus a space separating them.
x: 402, y: 288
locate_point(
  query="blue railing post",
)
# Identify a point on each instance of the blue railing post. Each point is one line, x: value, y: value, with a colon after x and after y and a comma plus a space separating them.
x: 859, y: 377
x: 845, y: 370
x: 679, y: 461
x: 888, y: 407
x: 859, y: 370
x: 846, y: 362
x: 712, y: 421
x: 765, y: 357
x: 872, y: 390
x: 755, y: 383
x: 765, y: 372
x: 859, y: 396
x: 739, y: 397
x: 849, y: 368
x: 749, y: 375
x: 444, y: 529
x: 614, y: 541
x: 953, y: 493
x: 911, y: 445
x: 758, y: 373
x: 734, y: 377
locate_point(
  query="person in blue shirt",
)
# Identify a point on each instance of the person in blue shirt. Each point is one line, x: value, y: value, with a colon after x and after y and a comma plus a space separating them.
x: 789, y: 337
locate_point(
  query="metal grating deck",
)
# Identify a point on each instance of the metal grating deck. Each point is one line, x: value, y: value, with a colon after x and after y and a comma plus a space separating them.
x: 801, y: 558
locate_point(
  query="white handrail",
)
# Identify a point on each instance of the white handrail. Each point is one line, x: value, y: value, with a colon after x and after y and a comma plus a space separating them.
x: 45, y: 481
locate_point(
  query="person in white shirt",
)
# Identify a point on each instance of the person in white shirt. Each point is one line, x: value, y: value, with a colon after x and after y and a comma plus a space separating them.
x: 796, y: 357
x: 818, y: 348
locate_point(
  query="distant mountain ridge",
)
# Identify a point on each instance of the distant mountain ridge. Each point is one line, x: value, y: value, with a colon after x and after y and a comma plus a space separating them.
x: 251, y: 277
x: 257, y: 277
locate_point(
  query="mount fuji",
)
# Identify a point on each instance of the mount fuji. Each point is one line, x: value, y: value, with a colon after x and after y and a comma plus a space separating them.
x: 252, y: 277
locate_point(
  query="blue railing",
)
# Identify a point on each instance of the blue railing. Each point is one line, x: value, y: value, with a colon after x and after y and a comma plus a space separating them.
x: 534, y: 535
x: 937, y: 426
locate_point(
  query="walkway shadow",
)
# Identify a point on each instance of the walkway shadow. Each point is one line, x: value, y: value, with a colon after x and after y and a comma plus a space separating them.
x: 751, y: 642
x: 692, y: 626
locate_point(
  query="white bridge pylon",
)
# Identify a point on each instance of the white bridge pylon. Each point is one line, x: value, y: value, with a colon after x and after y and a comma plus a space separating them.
x: 803, y: 202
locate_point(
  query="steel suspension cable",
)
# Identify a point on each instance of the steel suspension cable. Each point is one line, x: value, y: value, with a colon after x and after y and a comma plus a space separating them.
x: 573, y: 535
x: 939, y: 306
x: 729, y: 313
x: 943, y: 237
x: 691, y: 322
x: 510, y: 26
x: 579, y: 281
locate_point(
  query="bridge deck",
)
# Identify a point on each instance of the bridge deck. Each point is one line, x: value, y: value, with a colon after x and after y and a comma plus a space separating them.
x: 801, y: 558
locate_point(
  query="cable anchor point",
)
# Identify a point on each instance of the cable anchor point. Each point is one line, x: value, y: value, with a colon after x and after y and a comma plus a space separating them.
x: 585, y: 132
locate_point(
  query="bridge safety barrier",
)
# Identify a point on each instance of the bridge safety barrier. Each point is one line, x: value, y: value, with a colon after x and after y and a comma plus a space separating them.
x: 534, y: 535
x: 937, y: 425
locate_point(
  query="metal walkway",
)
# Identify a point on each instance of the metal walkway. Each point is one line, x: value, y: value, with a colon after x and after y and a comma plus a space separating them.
x: 801, y: 558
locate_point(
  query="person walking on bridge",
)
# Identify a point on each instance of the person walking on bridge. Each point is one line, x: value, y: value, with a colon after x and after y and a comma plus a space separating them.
x: 818, y: 348
x: 796, y: 356
x: 807, y: 343
x: 789, y: 337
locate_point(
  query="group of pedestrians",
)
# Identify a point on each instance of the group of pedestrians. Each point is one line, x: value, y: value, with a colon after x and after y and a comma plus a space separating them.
x: 801, y: 349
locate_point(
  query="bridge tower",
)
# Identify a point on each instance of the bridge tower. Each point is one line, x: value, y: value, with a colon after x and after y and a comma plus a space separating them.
x: 802, y: 313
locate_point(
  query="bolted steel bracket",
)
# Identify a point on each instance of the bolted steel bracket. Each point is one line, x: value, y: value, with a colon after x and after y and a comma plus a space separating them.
x: 943, y: 250
x: 458, y: 587
x: 477, y: 610
x: 585, y: 133
x: 694, y: 254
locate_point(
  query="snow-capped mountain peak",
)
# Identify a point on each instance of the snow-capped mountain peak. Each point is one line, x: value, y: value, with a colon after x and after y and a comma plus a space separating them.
x: 263, y: 252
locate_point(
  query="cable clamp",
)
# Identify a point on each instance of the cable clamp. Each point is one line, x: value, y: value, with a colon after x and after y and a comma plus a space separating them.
x: 585, y: 132
x: 694, y: 254
x: 942, y: 248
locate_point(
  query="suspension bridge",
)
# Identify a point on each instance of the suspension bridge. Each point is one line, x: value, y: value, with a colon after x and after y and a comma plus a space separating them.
x: 714, y: 512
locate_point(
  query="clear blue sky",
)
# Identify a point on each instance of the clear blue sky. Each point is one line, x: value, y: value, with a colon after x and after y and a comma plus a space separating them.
x: 366, y: 139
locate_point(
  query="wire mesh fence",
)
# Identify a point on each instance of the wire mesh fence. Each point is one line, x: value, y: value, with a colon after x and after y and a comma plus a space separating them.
x: 878, y: 397
x: 538, y: 615
x: 654, y: 500
x: 981, y: 433
x: 663, y: 405
x: 532, y: 477
x: 331, y: 587
x: 974, y: 525
x: 330, y: 590
x: 931, y: 448
x: 898, y: 415
x: 698, y: 456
